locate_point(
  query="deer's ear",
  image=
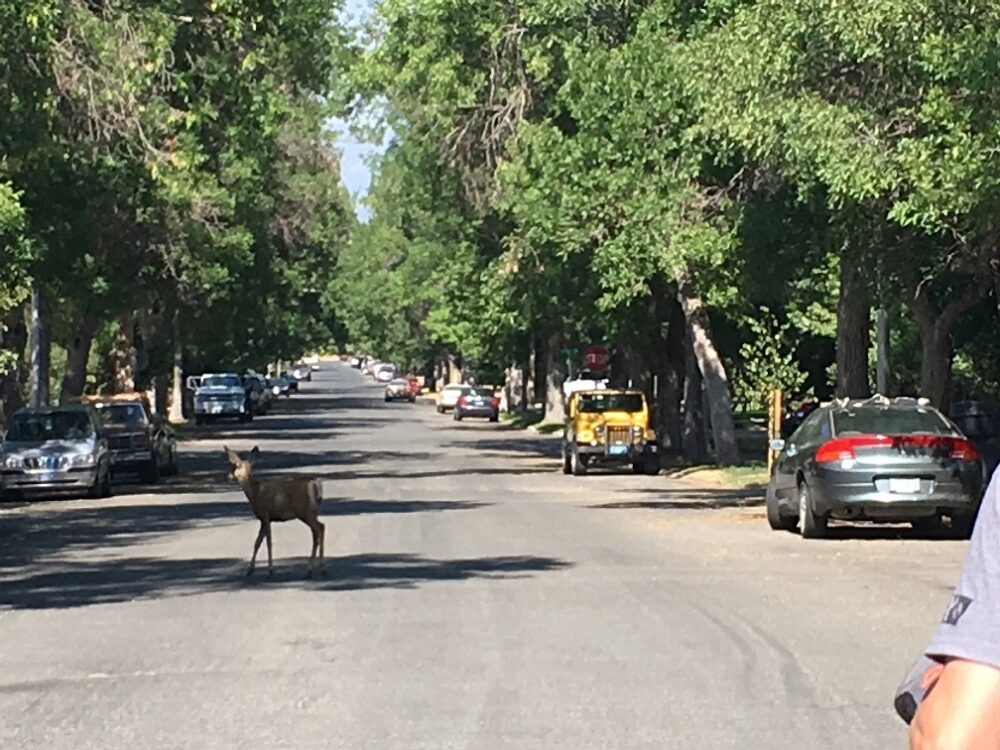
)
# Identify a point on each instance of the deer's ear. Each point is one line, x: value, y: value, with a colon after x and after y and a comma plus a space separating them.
x: 254, y: 454
x: 232, y: 456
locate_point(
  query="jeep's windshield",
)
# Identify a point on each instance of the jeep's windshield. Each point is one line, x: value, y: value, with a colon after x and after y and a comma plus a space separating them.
x: 221, y: 381
x: 595, y: 403
x: 55, y: 425
x: 124, y: 415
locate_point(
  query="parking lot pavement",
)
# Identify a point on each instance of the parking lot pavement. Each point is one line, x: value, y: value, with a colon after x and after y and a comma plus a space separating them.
x: 474, y: 598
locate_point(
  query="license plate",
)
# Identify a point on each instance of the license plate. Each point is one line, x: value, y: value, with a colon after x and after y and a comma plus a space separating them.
x: 906, y: 486
x: 618, y: 450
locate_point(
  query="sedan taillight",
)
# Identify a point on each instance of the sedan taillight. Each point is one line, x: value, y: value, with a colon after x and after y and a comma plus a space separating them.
x: 845, y: 449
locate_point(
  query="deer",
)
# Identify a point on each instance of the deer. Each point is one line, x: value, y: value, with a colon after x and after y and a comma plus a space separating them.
x: 279, y: 500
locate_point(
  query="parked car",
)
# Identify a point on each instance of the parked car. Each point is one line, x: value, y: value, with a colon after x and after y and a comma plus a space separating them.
x: 356, y: 362
x: 293, y: 382
x: 610, y: 427
x: 302, y: 371
x: 477, y: 401
x: 218, y: 396
x: 280, y: 386
x: 313, y: 361
x: 139, y: 441
x: 449, y: 396
x: 261, y: 397
x: 416, y: 387
x: 399, y: 389
x: 385, y: 373
x: 57, y: 449
x: 980, y: 422
x: 876, y: 460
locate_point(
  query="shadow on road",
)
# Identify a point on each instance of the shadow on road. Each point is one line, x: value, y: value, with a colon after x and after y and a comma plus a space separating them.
x: 29, y: 539
x: 81, y: 584
x: 687, y: 499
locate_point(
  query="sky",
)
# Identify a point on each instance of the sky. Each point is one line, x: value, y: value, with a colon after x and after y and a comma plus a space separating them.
x: 355, y: 155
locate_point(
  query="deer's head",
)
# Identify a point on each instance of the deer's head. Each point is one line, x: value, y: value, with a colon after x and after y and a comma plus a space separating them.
x: 241, y: 470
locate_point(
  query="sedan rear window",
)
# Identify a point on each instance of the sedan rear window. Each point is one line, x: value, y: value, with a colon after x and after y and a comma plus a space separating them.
x: 869, y: 421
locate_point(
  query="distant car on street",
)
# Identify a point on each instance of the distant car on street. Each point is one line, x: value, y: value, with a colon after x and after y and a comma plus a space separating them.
x: 477, y: 401
x: 302, y: 371
x: 385, y: 372
x: 55, y: 450
x: 876, y: 460
x: 449, y: 396
x: 220, y: 395
x: 356, y: 362
x: 416, y: 387
x: 399, y: 390
x: 260, y: 395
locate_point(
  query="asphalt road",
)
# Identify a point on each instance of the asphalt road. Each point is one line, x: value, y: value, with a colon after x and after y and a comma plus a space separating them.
x: 475, y: 598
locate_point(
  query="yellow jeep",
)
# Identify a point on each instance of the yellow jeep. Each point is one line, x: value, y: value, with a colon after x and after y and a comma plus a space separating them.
x: 609, y: 427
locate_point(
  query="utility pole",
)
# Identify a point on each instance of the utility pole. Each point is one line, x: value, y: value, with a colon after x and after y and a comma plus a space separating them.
x: 883, y: 371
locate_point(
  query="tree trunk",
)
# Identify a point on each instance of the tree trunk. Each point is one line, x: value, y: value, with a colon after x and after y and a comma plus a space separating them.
x: 935, y: 328
x: 712, y: 370
x: 41, y: 352
x: 13, y: 339
x: 935, y: 366
x: 176, y: 413
x: 853, y: 330
x: 668, y: 364
x: 883, y: 366
x: 555, y: 375
x: 123, y: 357
x: 528, y: 385
x: 539, y: 370
x: 513, y: 389
x: 693, y: 440
x: 77, y: 355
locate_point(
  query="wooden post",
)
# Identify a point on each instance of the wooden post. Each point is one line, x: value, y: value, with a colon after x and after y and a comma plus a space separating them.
x: 774, y: 427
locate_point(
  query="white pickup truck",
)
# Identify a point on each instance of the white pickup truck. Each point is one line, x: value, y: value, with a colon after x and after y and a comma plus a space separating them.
x: 218, y: 396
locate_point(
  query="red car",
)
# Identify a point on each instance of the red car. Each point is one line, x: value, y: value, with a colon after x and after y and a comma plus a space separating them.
x: 416, y: 388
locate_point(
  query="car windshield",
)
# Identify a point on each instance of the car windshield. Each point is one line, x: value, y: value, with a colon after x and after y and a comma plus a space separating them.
x: 399, y: 382
x: 221, y: 381
x: 485, y: 392
x: 873, y: 421
x: 125, y: 415
x: 595, y: 403
x: 55, y: 425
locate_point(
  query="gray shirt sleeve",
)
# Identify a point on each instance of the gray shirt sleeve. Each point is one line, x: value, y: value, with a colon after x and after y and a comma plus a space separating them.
x: 971, y: 625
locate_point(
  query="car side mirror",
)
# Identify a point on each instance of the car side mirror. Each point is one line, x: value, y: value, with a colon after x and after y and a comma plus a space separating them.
x: 777, y: 445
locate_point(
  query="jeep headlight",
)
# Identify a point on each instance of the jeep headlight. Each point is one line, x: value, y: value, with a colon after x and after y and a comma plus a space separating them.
x: 13, y: 462
x: 83, y: 459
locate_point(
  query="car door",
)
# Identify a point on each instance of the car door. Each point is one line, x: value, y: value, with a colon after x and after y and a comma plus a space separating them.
x: 799, y: 448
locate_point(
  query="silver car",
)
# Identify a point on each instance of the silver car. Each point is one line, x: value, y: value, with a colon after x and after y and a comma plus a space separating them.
x: 56, y: 449
x: 876, y: 460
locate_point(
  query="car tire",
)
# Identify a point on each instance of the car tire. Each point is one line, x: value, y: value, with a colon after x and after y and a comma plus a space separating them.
x: 961, y: 527
x: 811, y: 525
x: 150, y: 473
x: 457, y: 416
x: 651, y: 464
x: 199, y: 420
x: 413, y: 399
x: 440, y: 410
x: 567, y: 466
x: 775, y: 520
x: 578, y: 467
x: 387, y: 399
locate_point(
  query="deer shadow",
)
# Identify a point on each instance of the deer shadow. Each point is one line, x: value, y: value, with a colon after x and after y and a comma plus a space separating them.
x: 79, y: 584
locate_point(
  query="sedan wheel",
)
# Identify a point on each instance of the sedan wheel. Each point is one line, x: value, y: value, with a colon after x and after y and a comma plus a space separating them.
x: 811, y: 526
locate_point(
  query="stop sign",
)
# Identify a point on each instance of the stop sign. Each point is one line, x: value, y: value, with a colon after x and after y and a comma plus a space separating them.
x: 596, y: 359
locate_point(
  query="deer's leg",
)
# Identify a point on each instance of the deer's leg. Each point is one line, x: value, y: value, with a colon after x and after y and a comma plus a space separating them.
x: 256, y: 546
x: 270, y: 560
x: 321, y: 533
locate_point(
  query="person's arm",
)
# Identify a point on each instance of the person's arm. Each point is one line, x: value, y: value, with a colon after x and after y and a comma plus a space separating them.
x: 962, y: 710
